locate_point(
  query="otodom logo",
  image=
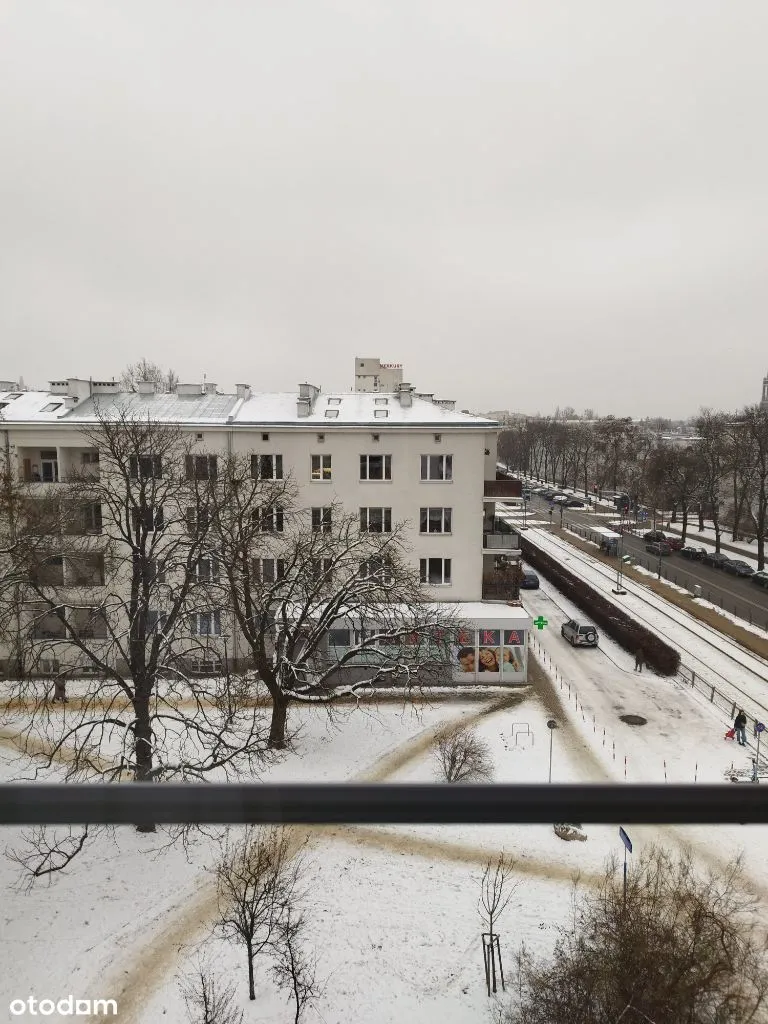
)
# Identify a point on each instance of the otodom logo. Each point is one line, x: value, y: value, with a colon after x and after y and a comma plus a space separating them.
x: 67, y: 1006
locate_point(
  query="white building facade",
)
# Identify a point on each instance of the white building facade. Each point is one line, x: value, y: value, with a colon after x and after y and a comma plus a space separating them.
x: 373, y: 375
x: 389, y: 457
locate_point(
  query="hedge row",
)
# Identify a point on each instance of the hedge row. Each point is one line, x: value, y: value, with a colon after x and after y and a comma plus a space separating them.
x: 615, y: 622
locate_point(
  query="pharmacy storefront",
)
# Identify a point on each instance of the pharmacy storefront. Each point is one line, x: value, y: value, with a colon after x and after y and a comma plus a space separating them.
x: 493, y: 647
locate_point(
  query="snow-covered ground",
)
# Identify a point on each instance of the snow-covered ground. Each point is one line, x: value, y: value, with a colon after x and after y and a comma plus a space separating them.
x: 393, y: 910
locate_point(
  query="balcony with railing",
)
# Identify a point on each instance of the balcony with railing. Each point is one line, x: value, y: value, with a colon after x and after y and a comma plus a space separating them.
x: 500, y: 540
x: 501, y: 581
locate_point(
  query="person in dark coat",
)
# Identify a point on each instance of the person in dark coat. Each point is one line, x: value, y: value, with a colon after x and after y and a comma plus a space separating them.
x: 740, y: 725
x: 639, y: 659
x: 60, y: 690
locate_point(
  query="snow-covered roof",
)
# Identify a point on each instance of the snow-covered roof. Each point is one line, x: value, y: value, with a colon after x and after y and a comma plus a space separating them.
x: 30, y: 405
x: 328, y: 411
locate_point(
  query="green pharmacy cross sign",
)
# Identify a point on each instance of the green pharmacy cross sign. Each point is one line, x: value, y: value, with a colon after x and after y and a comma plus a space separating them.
x: 540, y: 623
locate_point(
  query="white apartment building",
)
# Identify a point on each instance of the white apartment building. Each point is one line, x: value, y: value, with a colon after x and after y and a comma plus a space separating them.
x: 391, y: 456
x: 373, y: 375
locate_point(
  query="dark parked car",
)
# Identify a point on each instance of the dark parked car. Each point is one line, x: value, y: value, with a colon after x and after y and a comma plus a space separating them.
x: 760, y: 578
x: 574, y: 503
x: 658, y: 548
x: 715, y: 558
x: 676, y: 543
x: 738, y: 568
x: 530, y: 580
x: 694, y: 553
x: 654, y: 535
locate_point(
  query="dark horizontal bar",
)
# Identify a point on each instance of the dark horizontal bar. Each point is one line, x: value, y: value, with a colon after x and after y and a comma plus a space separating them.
x: 401, y: 804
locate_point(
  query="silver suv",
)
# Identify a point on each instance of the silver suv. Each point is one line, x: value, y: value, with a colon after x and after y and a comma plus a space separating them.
x: 579, y: 634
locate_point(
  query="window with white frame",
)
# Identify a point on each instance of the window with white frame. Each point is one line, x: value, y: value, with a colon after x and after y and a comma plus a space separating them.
x: 149, y: 518
x: 267, y: 467
x: 435, y: 571
x: 156, y: 620
x: 375, y: 467
x: 207, y: 623
x: 321, y: 467
x: 321, y: 569
x: 381, y: 401
x: 268, y: 570
x: 380, y: 414
x: 331, y: 414
x: 207, y: 568
x: 269, y: 520
x: 145, y: 467
x: 435, y: 520
x: 197, y: 520
x: 437, y: 467
x: 201, y: 467
x: 321, y: 519
x: 340, y: 638
x: 334, y: 401
x: 375, y: 520
x: 379, y: 569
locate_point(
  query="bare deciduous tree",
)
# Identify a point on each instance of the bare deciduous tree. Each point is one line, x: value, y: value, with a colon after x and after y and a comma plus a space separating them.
x: 462, y: 756
x: 293, y: 966
x: 685, y: 947
x: 144, y: 370
x: 209, y: 1001
x: 258, y: 880
x: 332, y: 602
x: 497, y: 888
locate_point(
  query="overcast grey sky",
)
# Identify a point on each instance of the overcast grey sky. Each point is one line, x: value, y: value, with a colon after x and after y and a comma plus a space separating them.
x: 529, y: 204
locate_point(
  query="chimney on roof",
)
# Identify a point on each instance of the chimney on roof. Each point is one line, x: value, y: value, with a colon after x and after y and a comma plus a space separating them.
x: 189, y: 389
x: 243, y: 391
x: 210, y: 389
x: 307, y: 395
x: 146, y: 387
x: 404, y: 394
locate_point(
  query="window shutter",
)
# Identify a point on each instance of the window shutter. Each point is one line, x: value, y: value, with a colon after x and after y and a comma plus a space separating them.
x: 133, y: 462
x: 157, y: 467
x: 278, y: 467
x: 190, y: 461
x: 212, y: 466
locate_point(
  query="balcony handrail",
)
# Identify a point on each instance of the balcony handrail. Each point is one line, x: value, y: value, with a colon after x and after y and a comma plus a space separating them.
x: 381, y: 804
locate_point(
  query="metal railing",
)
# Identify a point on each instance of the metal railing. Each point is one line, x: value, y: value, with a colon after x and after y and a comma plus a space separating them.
x: 380, y: 804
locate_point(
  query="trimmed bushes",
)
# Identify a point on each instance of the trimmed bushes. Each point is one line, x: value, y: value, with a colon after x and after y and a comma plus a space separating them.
x: 614, y: 621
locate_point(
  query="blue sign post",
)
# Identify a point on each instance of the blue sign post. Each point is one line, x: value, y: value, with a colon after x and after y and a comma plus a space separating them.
x: 627, y: 849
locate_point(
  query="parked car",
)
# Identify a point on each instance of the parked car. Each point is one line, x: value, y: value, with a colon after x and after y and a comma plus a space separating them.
x: 715, y: 558
x: 676, y: 543
x: 530, y: 580
x: 561, y: 499
x: 760, y: 578
x: 658, y: 548
x: 574, y: 503
x: 654, y: 535
x: 579, y: 634
x: 738, y: 568
x: 693, y: 553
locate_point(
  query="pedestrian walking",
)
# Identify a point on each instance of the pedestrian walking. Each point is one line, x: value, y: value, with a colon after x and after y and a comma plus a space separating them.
x: 60, y: 690
x: 740, y: 725
x: 639, y: 659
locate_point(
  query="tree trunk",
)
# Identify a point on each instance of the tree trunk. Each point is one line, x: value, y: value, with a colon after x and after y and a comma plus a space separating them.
x: 251, y: 986
x: 701, y: 517
x: 142, y: 746
x: 685, y: 523
x: 278, y: 723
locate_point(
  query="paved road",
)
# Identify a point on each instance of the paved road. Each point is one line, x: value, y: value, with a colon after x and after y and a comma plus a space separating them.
x: 735, y: 594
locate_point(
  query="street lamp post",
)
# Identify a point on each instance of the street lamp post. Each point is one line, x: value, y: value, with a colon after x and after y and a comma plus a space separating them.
x: 551, y: 725
x: 525, y: 513
x: 619, y: 568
